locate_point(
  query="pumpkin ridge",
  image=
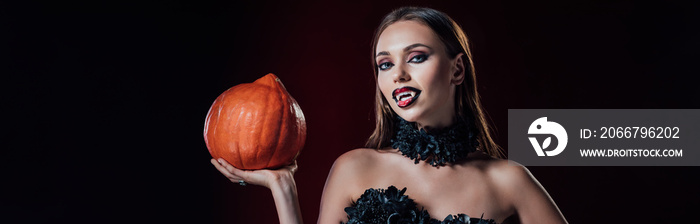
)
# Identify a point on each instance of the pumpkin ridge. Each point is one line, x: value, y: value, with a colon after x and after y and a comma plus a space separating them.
x: 237, y: 108
x: 237, y: 145
x: 267, y: 110
x: 218, y: 118
x: 292, y: 133
x: 281, y: 128
x: 264, y: 94
x: 299, y: 124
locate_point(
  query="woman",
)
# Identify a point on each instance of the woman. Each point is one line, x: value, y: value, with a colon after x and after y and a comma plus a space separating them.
x: 431, y: 141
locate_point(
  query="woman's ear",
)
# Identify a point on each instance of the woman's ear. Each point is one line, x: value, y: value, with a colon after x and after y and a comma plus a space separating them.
x: 458, y: 69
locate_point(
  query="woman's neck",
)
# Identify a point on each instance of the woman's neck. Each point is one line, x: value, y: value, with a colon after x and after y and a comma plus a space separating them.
x: 436, y: 119
x: 434, y: 124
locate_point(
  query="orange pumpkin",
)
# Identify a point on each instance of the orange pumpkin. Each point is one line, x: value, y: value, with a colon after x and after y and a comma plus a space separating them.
x: 255, y: 125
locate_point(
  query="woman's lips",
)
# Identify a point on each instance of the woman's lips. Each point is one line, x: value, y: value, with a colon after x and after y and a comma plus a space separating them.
x: 405, y: 96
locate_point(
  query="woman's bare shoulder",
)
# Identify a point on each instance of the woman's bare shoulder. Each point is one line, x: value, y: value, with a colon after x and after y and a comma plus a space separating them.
x: 360, y: 165
x: 511, y: 178
x: 343, y: 183
x: 355, y: 157
x: 523, y: 192
x: 507, y: 172
x: 501, y: 172
x: 362, y: 157
x: 353, y: 161
x: 357, y: 153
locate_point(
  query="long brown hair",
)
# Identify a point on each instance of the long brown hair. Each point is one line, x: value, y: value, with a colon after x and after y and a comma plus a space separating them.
x: 467, y: 103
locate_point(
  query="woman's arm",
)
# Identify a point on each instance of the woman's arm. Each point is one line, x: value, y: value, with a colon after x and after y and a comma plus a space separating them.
x: 337, y: 194
x: 280, y: 182
x: 529, y: 199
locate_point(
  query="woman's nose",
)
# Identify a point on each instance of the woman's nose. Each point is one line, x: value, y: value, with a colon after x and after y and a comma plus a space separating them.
x: 401, y: 75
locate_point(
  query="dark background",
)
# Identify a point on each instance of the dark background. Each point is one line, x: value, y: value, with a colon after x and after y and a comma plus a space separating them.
x: 104, y: 103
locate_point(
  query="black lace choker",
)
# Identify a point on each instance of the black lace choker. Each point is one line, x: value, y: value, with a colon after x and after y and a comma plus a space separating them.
x: 438, y: 147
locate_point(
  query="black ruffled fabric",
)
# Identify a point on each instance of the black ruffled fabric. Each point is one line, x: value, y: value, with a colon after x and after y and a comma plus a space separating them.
x: 438, y: 147
x: 391, y: 206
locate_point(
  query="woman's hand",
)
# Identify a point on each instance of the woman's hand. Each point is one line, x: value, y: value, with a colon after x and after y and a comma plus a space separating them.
x: 279, y: 181
x: 263, y: 177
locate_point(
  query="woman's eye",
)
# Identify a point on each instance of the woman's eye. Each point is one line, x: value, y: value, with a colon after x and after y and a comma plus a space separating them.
x: 419, y: 58
x: 385, y: 66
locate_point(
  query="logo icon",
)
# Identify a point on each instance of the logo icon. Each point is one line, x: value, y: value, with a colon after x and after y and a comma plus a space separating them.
x: 542, y: 126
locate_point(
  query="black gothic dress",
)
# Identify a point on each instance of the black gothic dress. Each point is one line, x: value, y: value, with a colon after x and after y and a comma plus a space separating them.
x: 390, y: 205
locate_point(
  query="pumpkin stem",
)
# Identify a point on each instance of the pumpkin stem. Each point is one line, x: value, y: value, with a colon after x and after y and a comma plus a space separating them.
x: 270, y: 80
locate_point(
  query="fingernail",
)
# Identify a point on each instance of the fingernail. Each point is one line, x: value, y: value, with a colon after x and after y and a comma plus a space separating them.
x: 221, y: 161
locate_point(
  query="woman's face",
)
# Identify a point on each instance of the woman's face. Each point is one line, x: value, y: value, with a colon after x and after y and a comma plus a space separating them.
x: 415, y: 74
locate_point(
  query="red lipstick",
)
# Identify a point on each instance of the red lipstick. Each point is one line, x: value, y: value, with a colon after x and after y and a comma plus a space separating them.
x: 405, y: 96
